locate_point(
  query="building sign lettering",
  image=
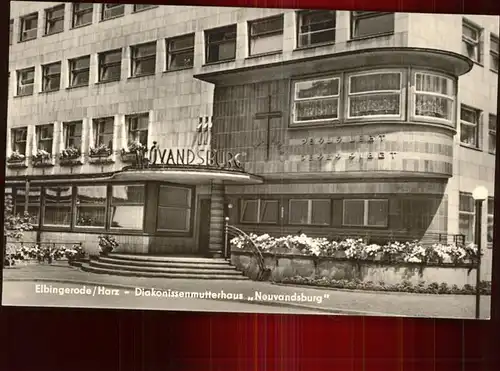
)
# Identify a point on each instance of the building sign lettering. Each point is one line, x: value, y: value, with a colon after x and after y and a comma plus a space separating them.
x: 339, y: 139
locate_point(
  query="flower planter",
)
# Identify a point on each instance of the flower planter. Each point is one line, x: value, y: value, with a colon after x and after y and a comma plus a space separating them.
x: 17, y: 163
x: 66, y: 161
x: 128, y: 157
x: 101, y: 159
x: 42, y: 162
x: 339, y: 254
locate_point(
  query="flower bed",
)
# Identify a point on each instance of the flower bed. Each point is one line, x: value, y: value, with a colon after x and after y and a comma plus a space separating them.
x: 406, y: 286
x: 16, y: 253
x: 358, y: 249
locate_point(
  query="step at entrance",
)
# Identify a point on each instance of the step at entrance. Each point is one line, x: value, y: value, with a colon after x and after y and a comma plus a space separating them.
x: 164, y: 267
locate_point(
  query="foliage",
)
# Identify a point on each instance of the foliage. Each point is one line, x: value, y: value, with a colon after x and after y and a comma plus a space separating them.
x: 41, y: 154
x: 101, y: 150
x: 405, y: 286
x: 135, y: 146
x: 107, y: 244
x: 14, y: 225
x: 358, y: 249
x: 71, y: 153
x: 48, y: 253
x: 16, y: 156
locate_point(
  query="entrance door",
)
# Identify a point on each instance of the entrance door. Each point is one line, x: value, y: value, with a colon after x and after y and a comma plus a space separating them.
x: 204, y: 226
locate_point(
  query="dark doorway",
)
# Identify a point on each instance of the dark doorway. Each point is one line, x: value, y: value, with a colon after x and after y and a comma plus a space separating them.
x: 204, y: 226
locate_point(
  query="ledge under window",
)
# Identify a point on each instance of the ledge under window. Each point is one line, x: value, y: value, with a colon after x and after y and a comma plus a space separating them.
x: 261, y: 55
x: 300, y: 48
x: 142, y: 75
x: 375, y: 36
x: 107, y: 81
x: 76, y: 87
x: 177, y: 69
x: 468, y: 146
x: 219, y: 62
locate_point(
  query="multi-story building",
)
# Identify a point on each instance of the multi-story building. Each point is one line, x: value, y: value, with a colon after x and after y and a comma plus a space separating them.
x: 324, y: 122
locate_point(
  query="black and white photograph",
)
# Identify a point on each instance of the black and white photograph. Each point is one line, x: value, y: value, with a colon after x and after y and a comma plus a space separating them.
x: 253, y: 160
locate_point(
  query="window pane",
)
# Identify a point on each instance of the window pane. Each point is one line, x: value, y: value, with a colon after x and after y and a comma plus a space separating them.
x: 434, y: 84
x: 145, y: 66
x: 377, y: 213
x: 91, y: 206
x: 318, y: 88
x: 492, y: 123
x: 468, y: 115
x: 174, y: 196
x: 323, y: 109
x: 127, y: 194
x: 249, y: 211
x: 299, y: 212
x: 266, y: 44
x: 112, y: 57
x: 57, y: 209
x: 466, y: 202
x: 491, y: 205
x: 181, y: 43
x: 468, y: 135
x: 492, y: 142
x: 469, y: 32
x: 173, y: 219
x: 127, y: 207
x: 268, y: 25
x: 375, y: 82
x: 321, y: 212
x: 489, y: 233
x: 466, y: 226
x: 354, y: 212
x: 377, y: 24
x: 268, y: 211
x: 433, y: 106
x: 91, y: 195
x: 373, y: 105
x: 181, y: 60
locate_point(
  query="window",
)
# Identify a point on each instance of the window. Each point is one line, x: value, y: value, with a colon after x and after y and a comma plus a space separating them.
x: 110, y: 65
x: 57, y: 206
x: 316, y: 100
x: 466, y: 216
x: 28, y: 27
x: 127, y: 207
x: 19, y: 140
x: 314, y: 212
x: 491, y: 213
x: 494, y: 53
x: 174, y: 209
x: 112, y: 11
x: 91, y: 206
x: 11, y: 31
x: 103, y: 132
x: 375, y: 94
x: 143, y: 59
x: 469, y: 126
x: 366, y: 24
x: 434, y: 96
x: 34, y: 199
x: 471, y: 46
x: 221, y: 44
x: 366, y: 213
x: 259, y: 211
x: 492, y: 134
x: 316, y: 27
x: 138, y: 128
x: 180, y: 52
x: 25, y: 81
x: 140, y: 7
x: 54, y: 20
x: 266, y: 35
x: 45, y: 137
x: 79, y: 71
x: 73, y: 134
x: 51, y: 77
x: 82, y: 14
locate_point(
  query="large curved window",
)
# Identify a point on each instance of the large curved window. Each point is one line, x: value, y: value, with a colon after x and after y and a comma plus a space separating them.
x: 316, y: 101
x: 375, y: 94
x: 434, y: 96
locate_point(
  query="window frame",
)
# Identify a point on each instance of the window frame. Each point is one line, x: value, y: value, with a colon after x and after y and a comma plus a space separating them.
x: 299, y: 22
x: 494, y: 53
x: 366, y: 211
x: 170, y: 54
x: 402, y: 95
x: 263, y: 35
x: 40, y: 139
x: 76, y: 207
x: 190, y: 208
x: 77, y: 12
x: 260, y: 202
x: 107, y: 6
x: 102, y: 65
x: 66, y: 137
x: 492, y: 132
x: 474, y: 42
x: 453, y: 98
x: 73, y: 71
x: 111, y: 204
x: 128, y: 123
x: 367, y: 15
x: 232, y: 29
x: 490, y: 216
x: 23, y: 31
x: 338, y: 96
x: 135, y: 60
x: 38, y: 205
x: 469, y: 213
x: 96, y: 124
x: 14, y: 139
x: 310, y: 211
x: 477, y: 125
x: 49, y: 20
x: 46, y: 77
x: 11, y: 31
x: 145, y: 7
x: 71, y: 204
x: 21, y: 85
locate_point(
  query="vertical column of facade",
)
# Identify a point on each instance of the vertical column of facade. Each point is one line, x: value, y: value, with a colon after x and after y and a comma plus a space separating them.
x: 216, y: 239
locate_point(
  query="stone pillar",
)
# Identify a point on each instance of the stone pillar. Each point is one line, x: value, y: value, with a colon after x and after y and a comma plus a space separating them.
x: 216, y: 239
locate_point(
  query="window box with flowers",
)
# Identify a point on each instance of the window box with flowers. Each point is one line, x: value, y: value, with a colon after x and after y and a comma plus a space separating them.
x: 70, y: 156
x: 16, y: 160
x: 107, y: 244
x: 42, y: 158
x: 100, y: 155
x: 133, y: 150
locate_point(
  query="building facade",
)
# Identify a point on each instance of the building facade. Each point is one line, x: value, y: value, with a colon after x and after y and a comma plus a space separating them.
x: 329, y: 123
